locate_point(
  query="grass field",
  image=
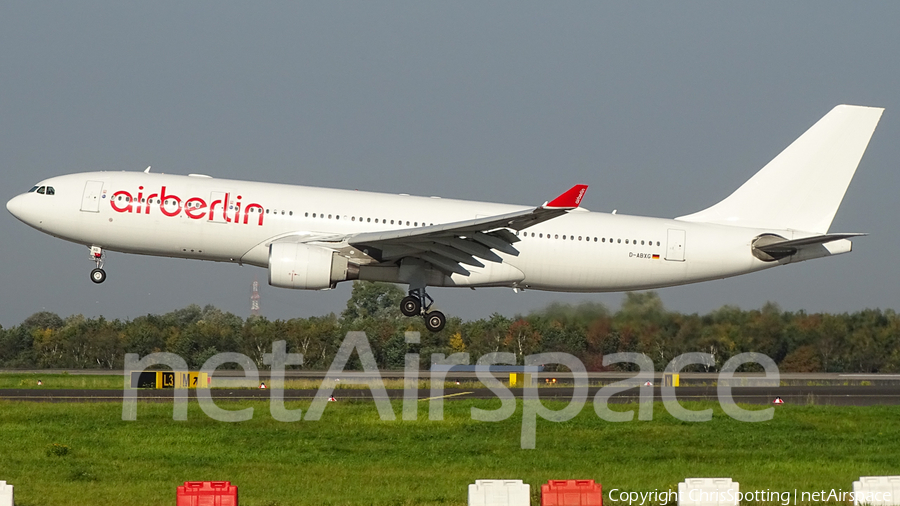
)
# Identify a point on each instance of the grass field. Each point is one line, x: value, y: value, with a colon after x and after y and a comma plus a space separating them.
x: 66, y: 381
x: 351, y: 457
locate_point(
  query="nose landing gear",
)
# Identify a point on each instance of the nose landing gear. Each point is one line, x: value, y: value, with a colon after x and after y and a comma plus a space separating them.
x: 98, y: 275
x: 419, y: 303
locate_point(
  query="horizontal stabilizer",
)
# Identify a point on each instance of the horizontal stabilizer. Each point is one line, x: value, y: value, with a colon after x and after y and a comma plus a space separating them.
x: 772, y: 247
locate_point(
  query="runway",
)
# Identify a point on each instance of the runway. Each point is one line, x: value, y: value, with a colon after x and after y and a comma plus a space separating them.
x: 792, y: 395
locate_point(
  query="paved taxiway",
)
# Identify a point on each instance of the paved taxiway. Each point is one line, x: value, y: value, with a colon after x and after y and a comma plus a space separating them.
x: 818, y: 395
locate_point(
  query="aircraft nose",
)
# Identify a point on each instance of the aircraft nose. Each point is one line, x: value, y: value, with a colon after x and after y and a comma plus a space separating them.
x: 16, y: 206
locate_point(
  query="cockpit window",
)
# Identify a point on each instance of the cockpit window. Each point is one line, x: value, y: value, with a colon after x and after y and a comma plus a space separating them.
x: 43, y: 190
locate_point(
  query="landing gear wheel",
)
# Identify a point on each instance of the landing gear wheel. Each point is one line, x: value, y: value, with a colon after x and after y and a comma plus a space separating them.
x: 435, y: 321
x: 410, y: 306
x: 98, y: 275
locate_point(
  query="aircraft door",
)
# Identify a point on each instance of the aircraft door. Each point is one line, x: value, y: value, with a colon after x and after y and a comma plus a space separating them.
x: 90, y: 200
x: 675, y: 246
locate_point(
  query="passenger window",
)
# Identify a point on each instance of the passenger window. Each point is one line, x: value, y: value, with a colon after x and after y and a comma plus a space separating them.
x: 564, y: 237
x: 579, y: 237
x: 541, y: 236
x: 368, y: 220
x: 642, y: 243
x: 392, y: 222
x: 603, y: 239
x: 556, y: 236
x: 620, y: 241
x: 657, y: 243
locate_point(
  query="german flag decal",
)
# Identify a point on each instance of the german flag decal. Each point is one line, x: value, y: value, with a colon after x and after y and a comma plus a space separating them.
x: 656, y: 257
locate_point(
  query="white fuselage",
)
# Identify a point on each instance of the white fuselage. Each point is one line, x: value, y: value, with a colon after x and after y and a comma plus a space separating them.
x: 235, y: 221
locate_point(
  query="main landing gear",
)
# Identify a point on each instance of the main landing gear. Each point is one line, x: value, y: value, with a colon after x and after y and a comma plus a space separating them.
x: 98, y: 275
x: 419, y: 303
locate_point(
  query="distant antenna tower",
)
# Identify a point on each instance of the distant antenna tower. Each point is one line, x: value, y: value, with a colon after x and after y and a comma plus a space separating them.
x: 254, y: 298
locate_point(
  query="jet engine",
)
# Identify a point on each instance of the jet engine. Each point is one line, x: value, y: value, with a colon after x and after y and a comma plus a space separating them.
x: 305, y: 267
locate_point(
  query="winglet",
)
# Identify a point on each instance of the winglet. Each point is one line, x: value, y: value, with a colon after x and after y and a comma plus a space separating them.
x: 568, y: 200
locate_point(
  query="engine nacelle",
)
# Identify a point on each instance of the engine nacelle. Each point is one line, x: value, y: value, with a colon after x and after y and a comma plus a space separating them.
x: 305, y: 267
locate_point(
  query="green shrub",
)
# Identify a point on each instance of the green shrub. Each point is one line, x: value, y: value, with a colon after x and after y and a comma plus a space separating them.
x: 57, y: 450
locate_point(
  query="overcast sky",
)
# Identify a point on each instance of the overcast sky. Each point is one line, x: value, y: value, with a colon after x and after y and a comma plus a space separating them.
x: 663, y: 108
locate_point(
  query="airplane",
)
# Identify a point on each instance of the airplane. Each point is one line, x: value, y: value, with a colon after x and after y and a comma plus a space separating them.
x: 313, y: 238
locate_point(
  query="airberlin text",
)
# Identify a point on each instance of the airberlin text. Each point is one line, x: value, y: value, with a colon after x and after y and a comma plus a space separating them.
x: 225, y: 208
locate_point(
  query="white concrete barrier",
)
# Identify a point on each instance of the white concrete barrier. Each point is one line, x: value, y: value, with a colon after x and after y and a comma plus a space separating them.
x: 499, y: 493
x: 708, y: 492
x: 6, y: 494
x: 877, y: 491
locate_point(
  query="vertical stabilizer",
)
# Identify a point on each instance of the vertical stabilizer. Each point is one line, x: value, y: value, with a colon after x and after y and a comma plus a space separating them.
x: 803, y: 186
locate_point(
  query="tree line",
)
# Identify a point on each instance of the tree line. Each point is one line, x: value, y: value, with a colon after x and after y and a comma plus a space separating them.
x: 864, y: 341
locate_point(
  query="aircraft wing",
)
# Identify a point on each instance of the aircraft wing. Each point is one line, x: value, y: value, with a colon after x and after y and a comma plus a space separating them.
x: 449, y: 246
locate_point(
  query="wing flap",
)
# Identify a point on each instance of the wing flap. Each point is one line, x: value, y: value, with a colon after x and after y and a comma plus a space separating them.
x: 451, y: 253
x: 442, y: 263
x: 473, y: 248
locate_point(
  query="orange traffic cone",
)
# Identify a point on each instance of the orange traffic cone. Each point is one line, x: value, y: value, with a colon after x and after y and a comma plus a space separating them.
x: 262, y: 386
x: 778, y: 400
